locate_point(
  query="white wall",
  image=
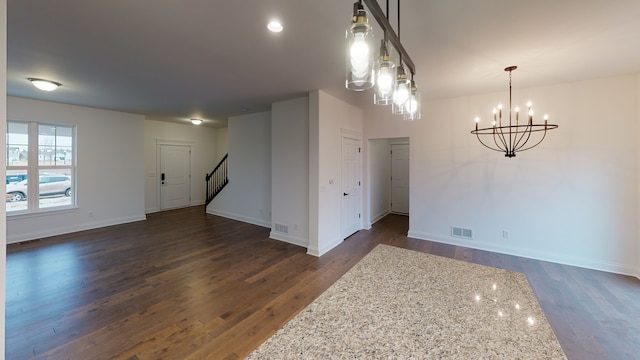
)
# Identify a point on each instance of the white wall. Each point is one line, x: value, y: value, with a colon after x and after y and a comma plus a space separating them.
x: 328, y: 117
x: 247, y: 197
x: 573, y: 199
x: 290, y: 171
x: 3, y: 133
x: 204, y: 157
x: 379, y: 160
x: 110, y: 169
x: 222, y: 143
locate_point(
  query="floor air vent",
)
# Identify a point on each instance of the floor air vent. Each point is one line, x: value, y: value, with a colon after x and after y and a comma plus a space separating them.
x: 461, y: 232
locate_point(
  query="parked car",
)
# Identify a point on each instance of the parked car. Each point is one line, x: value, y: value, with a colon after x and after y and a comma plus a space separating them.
x: 49, y: 185
x: 16, y: 178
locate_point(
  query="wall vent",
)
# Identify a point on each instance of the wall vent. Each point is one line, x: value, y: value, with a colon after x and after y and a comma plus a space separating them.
x: 461, y: 232
x: 282, y: 228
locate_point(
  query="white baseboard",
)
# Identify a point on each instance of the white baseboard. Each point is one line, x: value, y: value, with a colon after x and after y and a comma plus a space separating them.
x: 532, y: 254
x: 239, y: 217
x: 380, y: 216
x: 319, y: 251
x: 38, y: 234
x: 276, y: 235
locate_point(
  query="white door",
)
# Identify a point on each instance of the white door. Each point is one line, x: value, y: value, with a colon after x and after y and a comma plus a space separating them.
x: 400, y: 178
x: 350, y: 186
x: 175, y: 176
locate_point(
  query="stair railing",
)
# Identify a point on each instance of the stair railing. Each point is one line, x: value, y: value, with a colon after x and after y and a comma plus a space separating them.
x: 217, y: 179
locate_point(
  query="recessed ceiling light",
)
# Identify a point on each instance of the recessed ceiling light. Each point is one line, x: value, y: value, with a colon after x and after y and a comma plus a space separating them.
x: 196, y: 121
x: 44, y: 85
x: 275, y: 26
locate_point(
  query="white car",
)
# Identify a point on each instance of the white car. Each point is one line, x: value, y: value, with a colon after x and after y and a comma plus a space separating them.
x: 49, y: 185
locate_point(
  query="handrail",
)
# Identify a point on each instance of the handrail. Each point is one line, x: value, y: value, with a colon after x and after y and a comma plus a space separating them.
x: 217, y: 179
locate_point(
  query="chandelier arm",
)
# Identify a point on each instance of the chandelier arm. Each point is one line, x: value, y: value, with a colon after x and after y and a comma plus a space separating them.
x: 501, y: 137
x: 501, y: 131
x: 536, y: 144
x: 527, y: 133
x: 487, y: 146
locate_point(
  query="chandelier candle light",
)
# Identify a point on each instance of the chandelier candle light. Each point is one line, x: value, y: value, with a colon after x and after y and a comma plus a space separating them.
x: 515, y: 136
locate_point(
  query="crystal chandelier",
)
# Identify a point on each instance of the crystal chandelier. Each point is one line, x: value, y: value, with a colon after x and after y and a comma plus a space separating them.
x: 514, y: 136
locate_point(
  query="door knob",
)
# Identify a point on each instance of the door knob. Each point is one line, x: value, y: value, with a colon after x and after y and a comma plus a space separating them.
x: 345, y: 194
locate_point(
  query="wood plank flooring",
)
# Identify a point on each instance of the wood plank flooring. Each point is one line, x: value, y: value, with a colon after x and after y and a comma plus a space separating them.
x: 187, y: 285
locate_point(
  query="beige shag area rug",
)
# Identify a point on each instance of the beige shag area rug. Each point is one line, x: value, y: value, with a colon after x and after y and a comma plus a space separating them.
x: 403, y: 304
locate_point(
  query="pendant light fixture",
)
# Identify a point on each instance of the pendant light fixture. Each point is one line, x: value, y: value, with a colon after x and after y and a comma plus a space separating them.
x: 403, y: 85
x: 360, y: 50
x: 413, y: 104
x: 401, y: 92
x: 385, y: 73
x: 515, y: 136
x: 385, y: 77
x: 403, y: 96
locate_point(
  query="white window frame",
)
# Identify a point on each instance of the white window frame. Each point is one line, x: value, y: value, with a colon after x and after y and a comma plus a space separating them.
x: 33, y: 169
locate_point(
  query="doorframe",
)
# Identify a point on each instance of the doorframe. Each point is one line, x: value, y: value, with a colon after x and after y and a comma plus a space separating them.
x: 353, y: 135
x: 391, y: 144
x: 386, y: 187
x: 159, y: 143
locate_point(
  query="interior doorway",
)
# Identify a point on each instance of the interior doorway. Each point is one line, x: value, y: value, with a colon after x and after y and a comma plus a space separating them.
x: 389, y: 177
x: 400, y: 179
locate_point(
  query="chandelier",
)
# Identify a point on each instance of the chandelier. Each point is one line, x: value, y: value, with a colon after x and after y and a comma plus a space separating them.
x: 391, y: 83
x: 515, y: 136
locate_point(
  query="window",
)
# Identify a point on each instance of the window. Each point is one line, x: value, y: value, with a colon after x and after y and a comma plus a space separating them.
x: 44, y: 152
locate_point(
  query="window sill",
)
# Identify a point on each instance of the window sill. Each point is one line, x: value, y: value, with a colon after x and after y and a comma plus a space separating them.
x: 17, y: 215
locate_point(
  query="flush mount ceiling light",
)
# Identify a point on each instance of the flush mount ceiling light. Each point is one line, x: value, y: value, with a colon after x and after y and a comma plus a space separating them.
x: 196, y: 121
x: 392, y: 86
x: 44, y: 85
x: 515, y: 136
x: 275, y: 26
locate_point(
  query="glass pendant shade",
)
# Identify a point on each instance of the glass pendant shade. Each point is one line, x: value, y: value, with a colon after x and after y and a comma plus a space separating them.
x: 385, y: 78
x: 359, y: 51
x: 412, y: 106
x: 401, y: 93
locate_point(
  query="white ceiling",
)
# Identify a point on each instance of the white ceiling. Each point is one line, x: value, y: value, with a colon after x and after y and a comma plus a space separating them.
x: 174, y: 60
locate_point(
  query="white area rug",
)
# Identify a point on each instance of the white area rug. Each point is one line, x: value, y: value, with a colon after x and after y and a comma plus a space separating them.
x: 403, y: 304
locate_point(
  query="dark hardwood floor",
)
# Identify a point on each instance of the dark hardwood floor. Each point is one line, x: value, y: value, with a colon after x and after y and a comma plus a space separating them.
x: 186, y: 285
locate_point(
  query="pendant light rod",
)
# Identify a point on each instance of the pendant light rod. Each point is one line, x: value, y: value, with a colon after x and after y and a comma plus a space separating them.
x: 398, y: 22
x: 386, y: 39
x: 381, y: 18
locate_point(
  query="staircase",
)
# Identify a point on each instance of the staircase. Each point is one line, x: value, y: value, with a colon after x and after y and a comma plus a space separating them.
x: 217, y: 180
